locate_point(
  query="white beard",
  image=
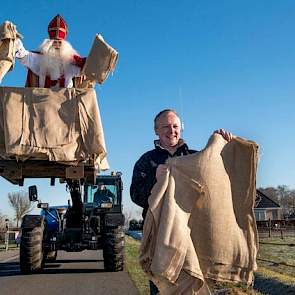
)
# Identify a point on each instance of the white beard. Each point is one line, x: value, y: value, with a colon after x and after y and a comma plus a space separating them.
x: 54, y: 62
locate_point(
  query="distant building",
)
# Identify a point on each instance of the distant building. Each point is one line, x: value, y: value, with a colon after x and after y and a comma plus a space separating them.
x: 13, y: 233
x: 265, y: 208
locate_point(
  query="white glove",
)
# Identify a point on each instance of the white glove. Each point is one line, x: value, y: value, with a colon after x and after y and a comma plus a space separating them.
x: 20, y: 50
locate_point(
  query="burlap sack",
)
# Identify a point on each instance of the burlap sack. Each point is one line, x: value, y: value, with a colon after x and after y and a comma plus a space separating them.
x: 100, y: 62
x: 200, y: 223
x: 8, y: 31
x: 6, y: 56
x: 5, y: 66
x: 62, y: 125
x: 8, y: 34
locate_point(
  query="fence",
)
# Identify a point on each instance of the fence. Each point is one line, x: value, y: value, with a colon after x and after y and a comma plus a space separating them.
x: 276, y: 228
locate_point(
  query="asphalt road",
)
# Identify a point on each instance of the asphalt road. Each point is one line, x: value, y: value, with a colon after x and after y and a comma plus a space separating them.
x: 72, y: 273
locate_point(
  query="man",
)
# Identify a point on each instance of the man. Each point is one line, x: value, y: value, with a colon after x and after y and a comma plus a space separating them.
x: 56, y: 64
x: 103, y: 195
x: 151, y: 165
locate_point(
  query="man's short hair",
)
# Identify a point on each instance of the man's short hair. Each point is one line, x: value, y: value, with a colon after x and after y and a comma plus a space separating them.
x: 157, y: 117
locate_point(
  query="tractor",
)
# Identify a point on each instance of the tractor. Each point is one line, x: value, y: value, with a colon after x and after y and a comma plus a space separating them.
x: 94, y: 223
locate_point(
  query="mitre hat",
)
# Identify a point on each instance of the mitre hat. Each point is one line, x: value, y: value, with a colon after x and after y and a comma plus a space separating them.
x: 57, y: 28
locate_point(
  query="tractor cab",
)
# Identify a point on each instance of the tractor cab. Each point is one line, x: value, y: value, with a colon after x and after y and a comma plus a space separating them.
x: 105, y: 195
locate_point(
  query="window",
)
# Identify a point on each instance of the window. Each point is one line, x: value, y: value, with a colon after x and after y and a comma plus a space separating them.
x: 96, y: 193
x: 259, y: 215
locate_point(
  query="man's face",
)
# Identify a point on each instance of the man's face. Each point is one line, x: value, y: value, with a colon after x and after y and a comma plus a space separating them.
x: 101, y: 187
x: 56, y: 44
x: 168, y: 129
x: 54, y: 50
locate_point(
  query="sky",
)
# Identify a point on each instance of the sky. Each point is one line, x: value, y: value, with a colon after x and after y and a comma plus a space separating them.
x: 221, y: 64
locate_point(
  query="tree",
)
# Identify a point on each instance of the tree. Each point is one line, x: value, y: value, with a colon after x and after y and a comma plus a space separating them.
x: 287, y: 199
x: 19, y: 201
x: 128, y: 217
x: 2, y: 221
x: 135, y: 224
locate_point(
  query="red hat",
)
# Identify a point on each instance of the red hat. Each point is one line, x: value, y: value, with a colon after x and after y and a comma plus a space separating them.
x: 57, y: 28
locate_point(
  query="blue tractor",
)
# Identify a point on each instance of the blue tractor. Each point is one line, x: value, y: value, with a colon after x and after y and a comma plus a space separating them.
x: 94, y: 223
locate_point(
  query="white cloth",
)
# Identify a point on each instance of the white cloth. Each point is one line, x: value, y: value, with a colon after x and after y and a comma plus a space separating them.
x: 33, y: 60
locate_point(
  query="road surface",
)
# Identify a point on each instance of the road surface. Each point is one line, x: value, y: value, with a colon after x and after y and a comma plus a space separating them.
x: 72, y: 273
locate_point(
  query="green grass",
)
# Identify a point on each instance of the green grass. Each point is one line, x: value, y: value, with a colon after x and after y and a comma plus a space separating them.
x: 268, y: 273
x: 132, y: 266
x: 280, y: 258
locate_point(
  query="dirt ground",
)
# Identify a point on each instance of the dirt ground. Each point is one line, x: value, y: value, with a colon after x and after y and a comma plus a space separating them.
x: 4, y: 256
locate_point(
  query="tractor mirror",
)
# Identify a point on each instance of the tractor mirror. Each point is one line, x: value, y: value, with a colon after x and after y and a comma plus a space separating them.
x: 33, y: 194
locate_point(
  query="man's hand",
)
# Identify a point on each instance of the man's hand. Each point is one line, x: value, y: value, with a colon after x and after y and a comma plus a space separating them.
x: 162, y: 169
x: 226, y: 135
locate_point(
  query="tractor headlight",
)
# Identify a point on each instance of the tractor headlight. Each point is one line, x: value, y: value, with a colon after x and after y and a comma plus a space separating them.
x: 106, y: 205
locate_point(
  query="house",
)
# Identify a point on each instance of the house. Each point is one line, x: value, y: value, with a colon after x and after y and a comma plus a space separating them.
x: 13, y: 233
x: 266, y: 209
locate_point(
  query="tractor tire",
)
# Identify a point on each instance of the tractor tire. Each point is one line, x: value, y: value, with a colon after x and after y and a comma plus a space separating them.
x: 31, y: 249
x: 113, y: 249
x: 50, y: 256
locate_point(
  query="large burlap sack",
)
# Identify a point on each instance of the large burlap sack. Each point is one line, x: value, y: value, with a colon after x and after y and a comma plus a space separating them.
x: 200, y: 223
x: 59, y: 125
x: 101, y: 61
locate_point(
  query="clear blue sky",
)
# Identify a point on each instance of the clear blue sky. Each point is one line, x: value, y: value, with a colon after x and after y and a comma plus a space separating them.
x: 228, y: 64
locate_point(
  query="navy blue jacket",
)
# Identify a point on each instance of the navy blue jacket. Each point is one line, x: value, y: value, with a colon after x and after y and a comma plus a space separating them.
x: 144, y: 172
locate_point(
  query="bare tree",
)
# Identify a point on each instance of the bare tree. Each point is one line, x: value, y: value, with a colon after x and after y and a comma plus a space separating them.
x: 128, y: 216
x: 19, y: 201
x: 2, y: 221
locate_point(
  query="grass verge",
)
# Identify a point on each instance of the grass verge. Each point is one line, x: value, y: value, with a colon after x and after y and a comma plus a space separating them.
x: 268, y: 273
x: 133, y: 268
x: 275, y: 256
x: 276, y: 260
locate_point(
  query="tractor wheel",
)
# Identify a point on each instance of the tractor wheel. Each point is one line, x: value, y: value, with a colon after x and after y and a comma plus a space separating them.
x: 50, y: 256
x: 31, y: 252
x: 113, y: 249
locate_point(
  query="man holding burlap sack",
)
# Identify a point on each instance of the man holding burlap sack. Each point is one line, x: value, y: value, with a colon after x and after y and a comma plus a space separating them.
x: 151, y: 167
